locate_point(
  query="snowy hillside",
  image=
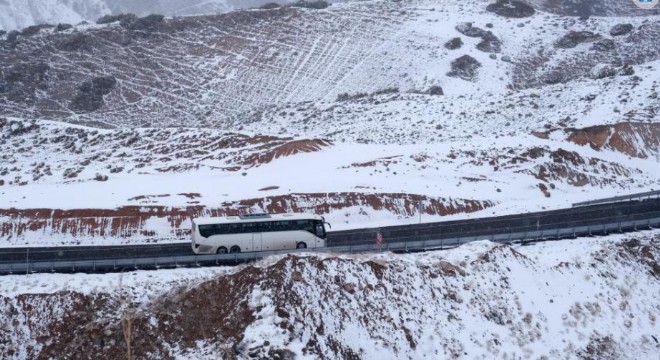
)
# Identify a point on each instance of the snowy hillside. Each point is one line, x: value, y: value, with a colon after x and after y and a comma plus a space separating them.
x: 358, y: 111
x: 205, y: 71
x: 19, y: 14
x: 150, y: 181
x: 588, y: 298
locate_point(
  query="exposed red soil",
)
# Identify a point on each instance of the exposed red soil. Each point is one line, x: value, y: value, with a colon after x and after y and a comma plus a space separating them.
x: 130, y: 220
x: 286, y: 149
x: 632, y: 138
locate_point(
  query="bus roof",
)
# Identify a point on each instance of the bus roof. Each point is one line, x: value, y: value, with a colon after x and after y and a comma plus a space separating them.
x: 255, y: 218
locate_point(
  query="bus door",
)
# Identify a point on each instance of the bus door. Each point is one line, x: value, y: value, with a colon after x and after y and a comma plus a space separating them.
x: 263, y: 242
x: 256, y: 242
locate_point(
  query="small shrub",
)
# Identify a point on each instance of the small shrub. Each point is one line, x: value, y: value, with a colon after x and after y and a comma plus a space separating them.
x: 109, y: 19
x: 317, y: 4
x: 12, y: 37
x: 347, y: 96
x: 454, y: 43
x: 392, y: 90
x: 2, y: 32
x: 62, y: 27
x: 435, y: 90
x: 270, y: 5
x: 100, y: 177
x: 71, y: 173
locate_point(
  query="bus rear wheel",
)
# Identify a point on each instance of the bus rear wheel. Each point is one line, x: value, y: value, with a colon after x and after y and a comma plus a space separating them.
x: 235, y: 249
x: 221, y: 250
x: 301, y: 245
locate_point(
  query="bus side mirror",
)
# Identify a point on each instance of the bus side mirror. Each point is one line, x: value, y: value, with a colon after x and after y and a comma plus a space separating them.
x: 329, y: 226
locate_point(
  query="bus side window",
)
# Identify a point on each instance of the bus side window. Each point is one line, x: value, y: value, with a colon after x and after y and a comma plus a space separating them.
x: 320, y: 231
x: 205, y: 230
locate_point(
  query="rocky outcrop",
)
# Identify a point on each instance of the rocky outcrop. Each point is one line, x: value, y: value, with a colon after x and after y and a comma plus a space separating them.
x: 465, y: 67
x: 621, y: 29
x: 511, y: 9
x: 489, y: 42
x: 573, y: 38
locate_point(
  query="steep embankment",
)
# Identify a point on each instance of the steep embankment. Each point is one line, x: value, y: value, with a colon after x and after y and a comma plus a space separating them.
x: 585, y: 298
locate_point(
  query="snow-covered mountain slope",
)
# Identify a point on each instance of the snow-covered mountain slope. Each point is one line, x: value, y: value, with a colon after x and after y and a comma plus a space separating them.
x: 18, y: 14
x: 198, y: 71
x: 152, y: 180
x: 477, y: 109
x: 589, y: 298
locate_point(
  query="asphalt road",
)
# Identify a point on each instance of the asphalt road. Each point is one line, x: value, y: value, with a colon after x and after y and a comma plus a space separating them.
x: 546, y: 220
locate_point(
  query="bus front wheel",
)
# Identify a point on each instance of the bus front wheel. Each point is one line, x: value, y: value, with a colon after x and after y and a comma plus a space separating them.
x: 221, y: 250
x: 301, y: 245
x: 235, y: 249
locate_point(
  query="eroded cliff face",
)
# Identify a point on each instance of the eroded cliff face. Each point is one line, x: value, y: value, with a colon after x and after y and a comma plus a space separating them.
x: 633, y: 138
x: 637, y: 139
x: 157, y: 223
x: 590, y: 298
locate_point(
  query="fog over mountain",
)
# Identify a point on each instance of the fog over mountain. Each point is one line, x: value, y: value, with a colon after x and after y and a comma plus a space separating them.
x: 18, y: 14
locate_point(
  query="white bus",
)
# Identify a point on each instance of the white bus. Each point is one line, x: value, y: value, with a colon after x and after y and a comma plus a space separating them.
x: 257, y: 232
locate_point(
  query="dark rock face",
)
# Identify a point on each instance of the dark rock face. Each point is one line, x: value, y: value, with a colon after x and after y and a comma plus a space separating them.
x: 148, y: 23
x: 90, y: 94
x: 490, y: 43
x: 621, y: 29
x: 454, y: 43
x: 468, y: 30
x: 511, y: 9
x: 604, y: 45
x: 77, y: 42
x: 573, y: 38
x: 21, y: 81
x: 465, y: 67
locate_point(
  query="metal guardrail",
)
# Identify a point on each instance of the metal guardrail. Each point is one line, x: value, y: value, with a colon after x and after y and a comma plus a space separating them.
x: 199, y: 260
x: 647, y: 194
